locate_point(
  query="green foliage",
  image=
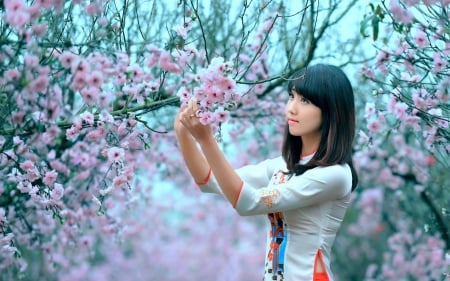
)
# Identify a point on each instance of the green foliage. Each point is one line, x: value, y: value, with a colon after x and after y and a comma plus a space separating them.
x: 372, y: 20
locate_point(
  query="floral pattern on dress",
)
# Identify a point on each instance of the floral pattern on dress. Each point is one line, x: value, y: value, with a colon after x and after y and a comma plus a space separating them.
x: 278, y: 234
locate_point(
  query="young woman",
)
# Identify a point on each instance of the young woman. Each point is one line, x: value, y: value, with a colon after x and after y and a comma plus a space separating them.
x: 304, y: 192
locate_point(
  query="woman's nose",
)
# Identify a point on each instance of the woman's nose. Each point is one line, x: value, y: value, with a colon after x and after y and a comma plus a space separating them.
x: 290, y: 108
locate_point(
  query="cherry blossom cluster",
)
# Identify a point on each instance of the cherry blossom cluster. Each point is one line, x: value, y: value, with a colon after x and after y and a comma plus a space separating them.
x: 416, y: 60
x: 215, y: 91
x: 403, y: 144
x: 411, y: 255
x: 74, y: 135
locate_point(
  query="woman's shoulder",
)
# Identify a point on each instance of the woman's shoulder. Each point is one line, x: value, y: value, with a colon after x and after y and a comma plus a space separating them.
x: 338, y: 174
x: 276, y: 161
x: 335, y: 169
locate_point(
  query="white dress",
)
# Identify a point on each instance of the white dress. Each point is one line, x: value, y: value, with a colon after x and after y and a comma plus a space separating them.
x: 304, y: 214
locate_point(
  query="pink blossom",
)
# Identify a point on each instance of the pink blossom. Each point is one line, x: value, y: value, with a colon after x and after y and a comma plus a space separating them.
x: 81, y: 176
x: 183, y: 29
x: 213, y: 94
x: 184, y: 95
x: 221, y: 115
x: 409, y: 66
x: 136, y: 73
x: 40, y: 29
x: 122, y: 129
x: 95, y: 79
x: 413, y: 122
x: 15, y: 5
x: 80, y: 66
x: 87, y: 117
x: 50, y: 177
x: 90, y: 95
x: 368, y: 72
x: 67, y: 59
x: 25, y: 186
x: 17, y: 117
x: 400, y: 110
x: 93, y: 9
x: 131, y: 122
x: 166, y: 63
x: 183, y: 58
x: 103, y: 21
x: 31, y: 61
x: 106, y: 117
x: 419, y: 102
x: 40, y: 84
x: 12, y: 74
x: 400, y: 14
x: 120, y: 80
x: 151, y: 59
x: 96, y: 135
x: 207, y: 118
x: 57, y: 192
x: 83, y: 159
x: 34, y: 11
x: 383, y: 57
x: 259, y: 88
x: 226, y: 84
x: 50, y: 135
x: 79, y: 81
x: 407, y: 77
x: 438, y: 62
x: 369, y: 110
x: 60, y: 167
x: 16, y: 13
x: 437, y: 112
x: 374, y: 126
x: 46, y: 4
x: 27, y: 165
x: 119, y: 181
x: 115, y: 154
x: 421, y: 39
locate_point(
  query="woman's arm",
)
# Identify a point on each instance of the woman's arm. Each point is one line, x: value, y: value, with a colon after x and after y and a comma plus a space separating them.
x: 227, y: 178
x: 195, y: 161
x: 213, y: 158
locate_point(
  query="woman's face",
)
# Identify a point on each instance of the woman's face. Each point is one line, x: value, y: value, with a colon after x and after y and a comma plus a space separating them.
x: 303, y: 117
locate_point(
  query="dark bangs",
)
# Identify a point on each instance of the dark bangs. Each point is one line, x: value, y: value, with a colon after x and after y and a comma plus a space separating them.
x: 309, y: 82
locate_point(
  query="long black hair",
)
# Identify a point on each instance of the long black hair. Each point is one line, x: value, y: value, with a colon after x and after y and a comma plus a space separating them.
x: 327, y: 87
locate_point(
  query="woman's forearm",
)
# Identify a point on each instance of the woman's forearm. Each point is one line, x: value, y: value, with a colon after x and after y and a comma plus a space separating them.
x: 228, y: 179
x: 196, y: 163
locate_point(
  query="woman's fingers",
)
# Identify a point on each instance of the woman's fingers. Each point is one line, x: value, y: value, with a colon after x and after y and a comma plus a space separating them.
x: 193, y: 105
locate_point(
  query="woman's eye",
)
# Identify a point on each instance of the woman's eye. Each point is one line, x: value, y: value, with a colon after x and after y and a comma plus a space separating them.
x: 304, y: 100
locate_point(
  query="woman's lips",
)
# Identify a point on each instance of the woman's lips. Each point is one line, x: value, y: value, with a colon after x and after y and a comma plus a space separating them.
x: 292, y: 121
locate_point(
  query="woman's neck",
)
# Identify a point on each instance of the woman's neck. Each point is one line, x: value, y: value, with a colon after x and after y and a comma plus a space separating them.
x: 309, y: 145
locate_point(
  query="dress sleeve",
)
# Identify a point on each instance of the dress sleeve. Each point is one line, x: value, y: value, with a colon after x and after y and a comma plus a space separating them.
x: 255, y: 176
x: 314, y: 186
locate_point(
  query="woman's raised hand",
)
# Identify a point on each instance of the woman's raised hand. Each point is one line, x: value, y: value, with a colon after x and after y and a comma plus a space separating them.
x: 188, y: 119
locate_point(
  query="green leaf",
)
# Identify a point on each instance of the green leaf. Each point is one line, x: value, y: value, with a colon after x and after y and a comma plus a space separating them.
x: 375, y: 27
x: 363, y: 26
